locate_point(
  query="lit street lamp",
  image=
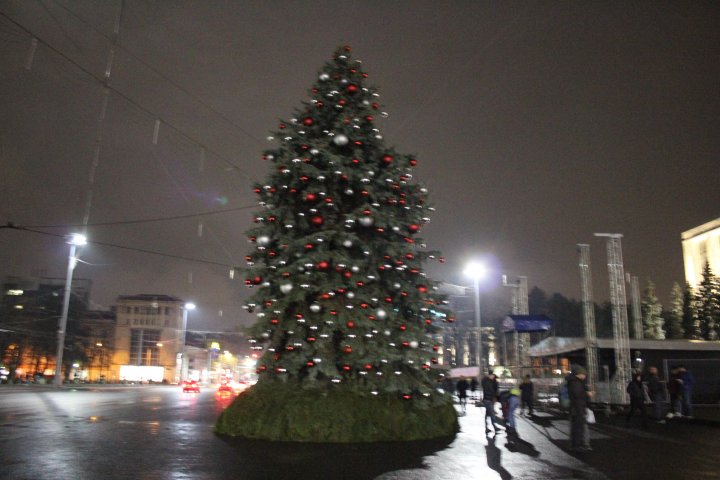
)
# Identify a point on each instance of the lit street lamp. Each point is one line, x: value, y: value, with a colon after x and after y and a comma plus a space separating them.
x: 183, y: 359
x: 76, y: 240
x: 476, y: 271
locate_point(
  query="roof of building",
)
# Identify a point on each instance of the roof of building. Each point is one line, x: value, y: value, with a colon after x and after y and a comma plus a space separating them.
x: 560, y: 345
x: 147, y: 297
x: 700, y: 229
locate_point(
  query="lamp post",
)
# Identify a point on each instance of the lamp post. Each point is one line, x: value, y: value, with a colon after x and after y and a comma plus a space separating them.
x: 476, y: 271
x: 76, y: 240
x: 183, y: 356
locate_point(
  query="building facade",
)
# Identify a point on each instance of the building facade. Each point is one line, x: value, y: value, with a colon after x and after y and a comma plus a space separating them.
x: 701, y: 245
x: 149, y: 338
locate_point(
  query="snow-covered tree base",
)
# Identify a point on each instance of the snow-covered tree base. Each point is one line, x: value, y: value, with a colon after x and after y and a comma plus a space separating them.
x: 281, y: 411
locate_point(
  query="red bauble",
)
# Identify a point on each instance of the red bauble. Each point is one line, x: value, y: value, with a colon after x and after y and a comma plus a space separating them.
x: 310, y: 363
x: 323, y: 265
x: 387, y: 159
x: 350, y: 324
x: 308, y: 246
x: 413, y: 162
x: 403, y: 327
x: 352, y: 88
x: 257, y: 280
x: 413, y: 227
x: 310, y: 197
x: 317, y: 220
x: 422, y: 288
x: 347, y: 349
x: 308, y: 121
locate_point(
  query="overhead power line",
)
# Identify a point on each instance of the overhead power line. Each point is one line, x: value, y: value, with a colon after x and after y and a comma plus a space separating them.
x: 122, y: 95
x: 146, y: 220
x: 123, y: 247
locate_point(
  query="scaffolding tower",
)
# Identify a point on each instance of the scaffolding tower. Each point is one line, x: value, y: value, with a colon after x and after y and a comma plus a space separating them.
x: 520, y: 307
x: 618, y: 301
x: 588, y: 314
x: 636, y: 311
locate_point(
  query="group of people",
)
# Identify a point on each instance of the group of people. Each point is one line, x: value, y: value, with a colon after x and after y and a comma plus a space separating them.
x: 680, y: 386
x: 579, y: 394
x: 517, y: 396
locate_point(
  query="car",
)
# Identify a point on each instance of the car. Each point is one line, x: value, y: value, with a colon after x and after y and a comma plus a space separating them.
x: 190, y: 386
x: 225, y: 389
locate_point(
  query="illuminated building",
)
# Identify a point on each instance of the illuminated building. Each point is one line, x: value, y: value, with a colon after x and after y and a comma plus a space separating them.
x: 701, y: 245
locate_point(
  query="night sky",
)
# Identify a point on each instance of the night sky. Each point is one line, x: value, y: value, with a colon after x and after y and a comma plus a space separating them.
x: 536, y: 124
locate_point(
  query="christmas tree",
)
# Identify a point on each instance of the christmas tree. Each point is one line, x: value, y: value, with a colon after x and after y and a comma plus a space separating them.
x: 345, y: 311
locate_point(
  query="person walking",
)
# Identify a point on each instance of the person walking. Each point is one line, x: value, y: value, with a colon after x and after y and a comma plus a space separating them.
x: 462, y: 387
x: 513, y: 403
x: 688, y: 382
x: 675, y: 390
x: 579, y: 400
x: 527, y: 390
x: 490, y: 387
x: 656, y: 391
x: 473, y: 387
x: 636, y: 390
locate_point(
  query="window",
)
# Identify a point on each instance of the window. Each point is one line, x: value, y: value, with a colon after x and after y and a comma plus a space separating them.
x: 143, y: 347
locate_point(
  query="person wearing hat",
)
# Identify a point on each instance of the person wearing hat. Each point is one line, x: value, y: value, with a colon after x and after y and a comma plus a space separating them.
x: 579, y: 400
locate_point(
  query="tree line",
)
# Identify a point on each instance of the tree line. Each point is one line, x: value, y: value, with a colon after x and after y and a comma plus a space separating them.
x: 693, y: 313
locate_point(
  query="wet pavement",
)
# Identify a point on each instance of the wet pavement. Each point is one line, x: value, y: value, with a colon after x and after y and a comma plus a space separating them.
x: 158, y: 432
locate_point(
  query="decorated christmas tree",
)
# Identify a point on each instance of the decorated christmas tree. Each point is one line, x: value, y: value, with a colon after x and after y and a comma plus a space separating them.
x: 345, y: 313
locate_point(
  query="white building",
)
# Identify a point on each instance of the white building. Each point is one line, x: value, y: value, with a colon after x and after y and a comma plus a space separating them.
x: 701, y: 245
x: 148, y: 338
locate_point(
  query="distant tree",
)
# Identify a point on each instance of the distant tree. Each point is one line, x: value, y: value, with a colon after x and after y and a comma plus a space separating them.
x: 537, y: 302
x: 690, y: 322
x: 603, y: 320
x: 653, y: 327
x: 567, y: 315
x: 674, y: 318
x: 708, y: 304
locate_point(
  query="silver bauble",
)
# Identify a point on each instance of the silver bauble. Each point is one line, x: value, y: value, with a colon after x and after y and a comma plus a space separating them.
x: 286, y: 287
x: 341, y: 140
x: 366, y: 221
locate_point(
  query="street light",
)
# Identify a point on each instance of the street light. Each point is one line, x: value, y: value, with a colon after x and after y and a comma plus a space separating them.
x: 476, y: 271
x: 76, y: 240
x: 183, y: 358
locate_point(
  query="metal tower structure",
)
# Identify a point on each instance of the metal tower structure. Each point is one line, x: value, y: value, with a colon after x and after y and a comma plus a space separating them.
x: 636, y: 311
x: 618, y: 300
x: 520, y: 307
x: 588, y: 313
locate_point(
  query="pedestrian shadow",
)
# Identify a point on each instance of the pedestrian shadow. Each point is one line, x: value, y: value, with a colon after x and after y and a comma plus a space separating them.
x: 541, y: 421
x: 494, y: 458
x: 262, y: 459
x: 516, y: 444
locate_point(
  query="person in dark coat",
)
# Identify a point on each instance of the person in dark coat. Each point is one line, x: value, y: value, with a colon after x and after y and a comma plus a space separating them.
x: 527, y: 392
x: 490, y: 389
x: 675, y: 390
x: 636, y: 391
x: 462, y: 387
x: 688, y: 382
x: 656, y: 390
x: 474, y: 386
x: 579, y: 401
